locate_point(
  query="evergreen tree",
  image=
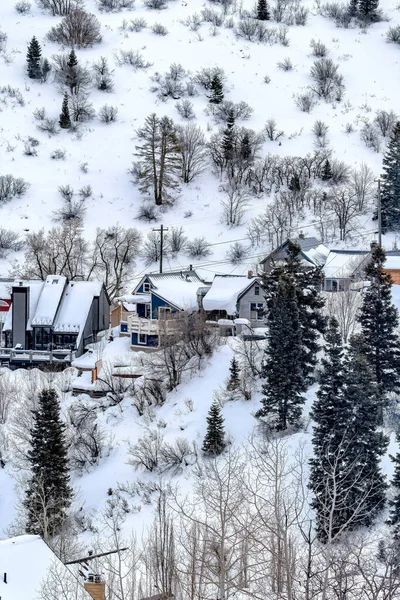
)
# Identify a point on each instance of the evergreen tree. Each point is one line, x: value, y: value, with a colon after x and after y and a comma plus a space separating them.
x: 282, y: 400
x: 379, y: 322
x: 159, y: 158
x: 234, y: 378
x: 48, y: 495
x: 330, y: 413
x: 307, y: 283
x: 214, y: 441
x: 262, y: 11
x: 394, y: 517
x: 368, y: 9
x: 217, y: 90
x: 390, y: 189
x: 65, y: 120
x: 72, y: 59
x: 228, y: 138
x: 366, y: 445
x: 326, y: 174
x: 353, y: 8
x: 33, y: 59
x: 245, y: 148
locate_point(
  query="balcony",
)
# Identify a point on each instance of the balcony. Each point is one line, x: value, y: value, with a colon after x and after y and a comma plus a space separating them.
x: 155, y: 326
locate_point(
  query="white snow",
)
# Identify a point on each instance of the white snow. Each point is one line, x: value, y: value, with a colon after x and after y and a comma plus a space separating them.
x: 224, y: 292
x: 76, y: 303
x: 179, y: 290
x: 340, y: 264
x: 49, y: 300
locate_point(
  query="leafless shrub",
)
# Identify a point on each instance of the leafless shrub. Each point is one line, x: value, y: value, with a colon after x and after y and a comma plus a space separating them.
x: 199, y: 247
x: 328, y: 84
x: 340, y: 172
x: 146, y: 212
x: 76, y: 80
x: 23, y: 7
x: 192, y: 150
x: 136, y: 24
x: 247, y: 29
x: 78, y: 29
x: 48, y: 125
x: 234, y: 205
x: 305, y: 101
x: 222, y: 112
x: 85, y: 192
x: 286, y: 64
x: 29, y: 150
x: 205, y: 76
x: 88, y: 442
x: 70, y: 211
x: 369, y: 134
x: 393, y: 34
x: 319, y: 49
x: 108, y: 114
x: 159, y: 29
x: 132, y: 58
x: 66, y: 192
x: 9, y: 242
x: 155, y: 4
x: 115, y: 5
x: 12, y: 92
x: 60, y: 8
x: 320, y: 129
x: 237, y: 253
x: 58, y: 154
x: 151, y: 249
x: 338, y: 12
x: 185, y: 109
x: 272, y: 131
x: 81, y: 109
x: 146, y: 453
x: 177, y: 240
x: 386, y: 120
x: 11, y: 187
x: 175, y: 456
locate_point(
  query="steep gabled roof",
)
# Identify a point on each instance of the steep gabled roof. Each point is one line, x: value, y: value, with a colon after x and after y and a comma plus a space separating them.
x: 344, y: 263
x: 178, y: 288
x: 312, y: 251
x: 225, y: 292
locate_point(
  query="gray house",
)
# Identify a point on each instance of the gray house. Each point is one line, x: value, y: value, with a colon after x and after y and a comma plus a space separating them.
x: 55, y: 315
x: 312, y: 253
x: 236, y: 303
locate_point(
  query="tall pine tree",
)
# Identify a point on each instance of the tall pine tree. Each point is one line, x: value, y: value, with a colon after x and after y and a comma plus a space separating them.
x: 262, y: 11
x: 214, y: 441
x: 330, y: 413
x: 307, y: 283
x: 234, y: 373
x: 368, y: 9
x: 217, y: 90
x: 282, y: 399
x: 379, y: 322
x: 390, y: 189
x: 33, y: 59
x: 229, y: 138
x: 65, y: 119
x: 49, y: 494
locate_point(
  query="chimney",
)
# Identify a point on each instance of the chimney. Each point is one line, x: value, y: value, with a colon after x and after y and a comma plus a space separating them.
x: 95, y: 587
x: 249, y: 274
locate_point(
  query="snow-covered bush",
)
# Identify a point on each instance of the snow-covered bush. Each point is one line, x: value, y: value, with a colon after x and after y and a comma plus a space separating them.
x: 48, y: 125
x: 114, y: 5
x: 134, y: 24
x: 272, y: 131
x: 393, y: 34
x: 9, y: 242
x: 305, y: 101
x: 102, y: 75
x: 155, y: 4
x: 60, y: 8
x: 205, y: 76
x: 88, y: 442
x: 133, y: 58
x: 369, y: 134
x: 199, y: 247
x: 3, y: 40
x: 108, y: 114
x: 159, y: 29
x: 237, y: 253
x: 177, y: 455
x: 147, y: 212
x: 11, y: 187
x: 319, y: 50
x: 225, y: 109
x: 328, y: 84
x: 177, y: 240
x: 146, y: 453
x: 185, y: 109
x: 22, y: 7
x: 285, y: 64
x: 58, y: 154
x: 385, y: 121
x: 78, y: 29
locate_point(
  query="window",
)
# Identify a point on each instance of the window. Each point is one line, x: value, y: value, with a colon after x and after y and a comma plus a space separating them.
x: 257, y: 290
x: 146, y: 287
x: 142, y: 338
x: 164, y: 312
x: 256, y: 311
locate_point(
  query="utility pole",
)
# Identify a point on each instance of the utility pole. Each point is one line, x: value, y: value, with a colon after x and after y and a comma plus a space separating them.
x: 379, y: 211
x: 161, y: 230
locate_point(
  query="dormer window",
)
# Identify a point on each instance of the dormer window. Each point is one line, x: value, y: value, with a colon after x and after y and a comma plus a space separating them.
x: 146, y: 287
x: 54, y: 281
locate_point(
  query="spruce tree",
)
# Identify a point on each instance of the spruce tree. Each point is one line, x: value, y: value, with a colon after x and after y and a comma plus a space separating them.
x: 245, y: 148
x: 65, y: 119
x: 394, y: 517
x: 217, y: 90
x: 48, y: 495
x: 262, y: 11
x: 326, y: 174
x: 307, y: 283
x: 368, y: 9
x: 330, y: 413
x: 366, y: 445
x: 33, y: 59
x: 234, y: 377
x: 282, y: 400
x: 72, y: 75
x: 379, y: 322
x: 214, y: 441
x: 390, y: 188
x: 353, y: 8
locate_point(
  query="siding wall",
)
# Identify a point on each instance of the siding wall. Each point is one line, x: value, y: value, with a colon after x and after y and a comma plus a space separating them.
x: 244, y: 305
x: 395, y: 273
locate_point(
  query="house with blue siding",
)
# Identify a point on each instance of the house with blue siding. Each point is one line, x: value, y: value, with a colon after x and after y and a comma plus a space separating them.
x: 160, y: 301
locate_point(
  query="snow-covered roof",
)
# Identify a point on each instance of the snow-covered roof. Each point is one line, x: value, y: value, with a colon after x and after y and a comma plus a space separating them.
x: 75, y: 307
x: 224, y: 292
x: 317, y: 255
x: 35, y: 288
x: 134, y: 298
x: 179, y: 288
x: 25, y: 560
x: 49, y: 300
x: 343, y: 263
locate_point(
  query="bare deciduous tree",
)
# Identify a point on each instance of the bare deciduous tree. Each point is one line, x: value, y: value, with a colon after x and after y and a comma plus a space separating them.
x: 192, y: 149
